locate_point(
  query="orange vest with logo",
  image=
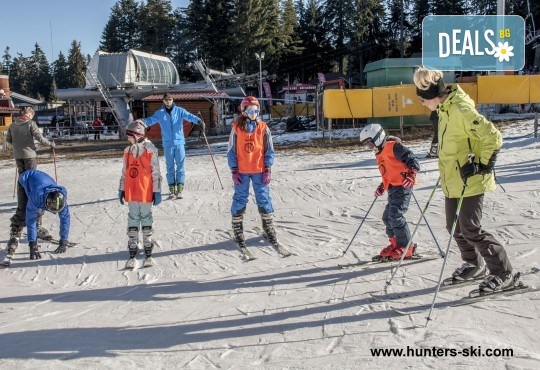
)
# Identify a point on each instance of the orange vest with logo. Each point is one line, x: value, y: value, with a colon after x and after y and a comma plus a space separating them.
x: 250, y: 148
x: 138, y: 178
x: 390, y: 167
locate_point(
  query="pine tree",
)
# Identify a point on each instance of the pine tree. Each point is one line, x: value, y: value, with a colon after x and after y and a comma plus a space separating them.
x: 249, y: 30
x: 39, y: 75
x: 156, y: 26
x: 217, y: 33
x: 195, y: 27
x: 398, y: 28
x: 182, y: 49
x: 6, y: 61
x: 420, y: 10
x: 122, y: 31
x: 316, y: 56
x: 368, y: 34
x: 18, y: 78
x: 449, y: 7
x: 338, y: 20
x: 291, y: 41
x: 484, y: 7
x: 61, y: 72
x: 76, y: 65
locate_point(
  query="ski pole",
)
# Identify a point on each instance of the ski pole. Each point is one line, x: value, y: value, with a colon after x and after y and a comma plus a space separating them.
x: 454, y: 225
x: 210, y: 151
x: 15, y: 184
x: 394, y: 271
x: 54, y: 161
x: 429, y: 227
x: 359, y: 227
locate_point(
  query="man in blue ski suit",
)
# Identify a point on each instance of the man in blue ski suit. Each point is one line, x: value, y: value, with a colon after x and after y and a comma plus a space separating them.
x: 171, y: 119
x: 44, y: 195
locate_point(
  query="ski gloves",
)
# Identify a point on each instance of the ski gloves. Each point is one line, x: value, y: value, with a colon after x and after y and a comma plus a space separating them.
x: 236, y: 177
x: 203, y: 126
x: 409, y: 178
x: 380, y: 190
x: 52, y: 144
x: 267, y: 176
x: 471, y: 168
x: 156, y: 198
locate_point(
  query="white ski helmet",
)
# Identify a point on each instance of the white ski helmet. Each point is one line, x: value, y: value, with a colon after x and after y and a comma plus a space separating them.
x: 372, y: 133
x: 137, y: 129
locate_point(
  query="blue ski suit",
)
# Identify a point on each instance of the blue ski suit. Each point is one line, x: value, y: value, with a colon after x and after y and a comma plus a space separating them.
x: 37, y: 185
x: 172, y: 134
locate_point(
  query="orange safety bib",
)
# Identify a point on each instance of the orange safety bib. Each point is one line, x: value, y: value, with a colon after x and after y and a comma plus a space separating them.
x: 390, y: 167
x: 138, y: 178
x: 250, y: 149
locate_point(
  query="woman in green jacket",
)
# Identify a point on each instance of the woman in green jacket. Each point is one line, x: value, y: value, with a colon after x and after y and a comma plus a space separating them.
x: 463, y: 134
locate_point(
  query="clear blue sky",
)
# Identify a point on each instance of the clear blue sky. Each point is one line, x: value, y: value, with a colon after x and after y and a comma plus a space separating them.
x: 25, y: 22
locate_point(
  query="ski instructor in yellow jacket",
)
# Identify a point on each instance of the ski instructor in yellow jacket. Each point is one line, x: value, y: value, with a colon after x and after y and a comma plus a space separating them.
x: 463, y: 134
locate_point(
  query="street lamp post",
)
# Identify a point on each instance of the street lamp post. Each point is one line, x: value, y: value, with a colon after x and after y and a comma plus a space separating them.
x: 260, y: 57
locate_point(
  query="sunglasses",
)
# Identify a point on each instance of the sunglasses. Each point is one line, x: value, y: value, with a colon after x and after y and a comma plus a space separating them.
x: 167, y: 100
x: 252, y: 111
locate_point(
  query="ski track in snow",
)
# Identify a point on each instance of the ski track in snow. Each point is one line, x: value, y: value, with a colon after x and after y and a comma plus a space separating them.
x: 201, y: 307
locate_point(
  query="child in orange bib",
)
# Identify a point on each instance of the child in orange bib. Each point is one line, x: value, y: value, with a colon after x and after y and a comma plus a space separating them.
x: 140, y: 186
x: 398, y: 167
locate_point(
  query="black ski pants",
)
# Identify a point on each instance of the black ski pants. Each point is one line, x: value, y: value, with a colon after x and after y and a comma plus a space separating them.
x: 472, y: 240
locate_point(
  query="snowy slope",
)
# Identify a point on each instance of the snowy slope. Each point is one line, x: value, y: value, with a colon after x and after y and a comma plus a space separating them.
x: 201, y: 307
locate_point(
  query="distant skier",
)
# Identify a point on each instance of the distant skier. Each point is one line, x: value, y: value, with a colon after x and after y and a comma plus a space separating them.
x: 462, y: 132
x: 250, y: 157
x: 171, y: 119
x: 140, y: 186
x: 21, y: 134
x: 43, y: 194
x: 398, y: 167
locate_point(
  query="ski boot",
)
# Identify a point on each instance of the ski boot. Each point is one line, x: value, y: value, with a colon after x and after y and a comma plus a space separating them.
x: 467, y: 272
x: 34, y: 251
x: 383, y: 256
x: 433, y: 151
x: 238, y: 231
x: 172, y: 191
x: 133, y: 246
x: 14, y: 235
x: 179, y: 190
x: 148, y: 245
x: 270, y: 233
x: 397, y: 252
x: 494, y: 283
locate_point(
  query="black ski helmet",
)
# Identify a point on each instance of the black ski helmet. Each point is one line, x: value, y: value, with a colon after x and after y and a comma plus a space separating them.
x: 55, y: 201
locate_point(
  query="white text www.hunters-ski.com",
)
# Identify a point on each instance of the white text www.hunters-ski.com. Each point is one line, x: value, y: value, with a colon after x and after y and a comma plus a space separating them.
x: 472, y: 351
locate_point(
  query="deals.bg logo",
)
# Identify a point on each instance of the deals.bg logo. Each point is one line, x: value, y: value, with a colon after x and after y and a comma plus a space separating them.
x: 473, y: 42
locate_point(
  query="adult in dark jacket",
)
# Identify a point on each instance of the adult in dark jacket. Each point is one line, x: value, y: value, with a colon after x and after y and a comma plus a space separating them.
x: 171, y: 119
x: 21, y: 135
x: 43, y: 195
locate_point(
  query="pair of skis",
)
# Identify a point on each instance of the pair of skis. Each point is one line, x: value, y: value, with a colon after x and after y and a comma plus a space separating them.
x: 474, y: 296
x: 246, y: 255
x: 131, y: 263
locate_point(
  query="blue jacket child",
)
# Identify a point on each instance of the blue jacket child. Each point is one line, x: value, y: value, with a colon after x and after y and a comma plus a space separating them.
x: 44, y: 195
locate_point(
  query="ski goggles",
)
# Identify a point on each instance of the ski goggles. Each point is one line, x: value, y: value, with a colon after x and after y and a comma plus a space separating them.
x: 252, y: 111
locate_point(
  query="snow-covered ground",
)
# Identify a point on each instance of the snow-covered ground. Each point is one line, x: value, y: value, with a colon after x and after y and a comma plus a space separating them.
x: 201, y: 307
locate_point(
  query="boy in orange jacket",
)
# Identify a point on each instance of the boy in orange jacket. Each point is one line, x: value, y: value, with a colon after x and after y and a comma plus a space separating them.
x: 398, y: 167
x: 140, y: 186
